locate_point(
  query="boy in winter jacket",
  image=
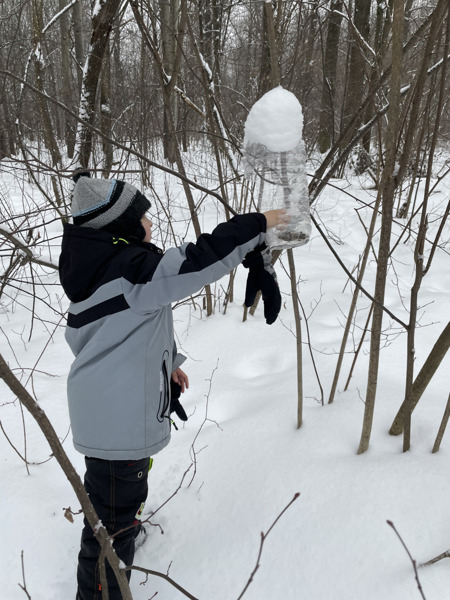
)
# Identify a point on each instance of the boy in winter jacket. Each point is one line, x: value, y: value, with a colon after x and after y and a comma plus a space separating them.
x: 120, y: 330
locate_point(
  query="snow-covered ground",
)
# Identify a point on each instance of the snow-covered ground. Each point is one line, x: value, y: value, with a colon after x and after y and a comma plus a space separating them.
x: 333, y: 543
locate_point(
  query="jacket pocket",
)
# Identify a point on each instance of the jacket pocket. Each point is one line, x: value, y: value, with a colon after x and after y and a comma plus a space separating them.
x: 164, y: 389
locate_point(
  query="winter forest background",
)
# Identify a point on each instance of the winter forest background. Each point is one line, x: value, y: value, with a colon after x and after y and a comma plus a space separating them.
x: 158, y: 92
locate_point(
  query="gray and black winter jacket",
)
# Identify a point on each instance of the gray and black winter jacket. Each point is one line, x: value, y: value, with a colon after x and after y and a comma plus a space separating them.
x: 120, y: 329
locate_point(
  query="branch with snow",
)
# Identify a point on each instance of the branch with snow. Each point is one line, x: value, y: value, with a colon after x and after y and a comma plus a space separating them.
x: 58, y: 16
x: 27, y: 253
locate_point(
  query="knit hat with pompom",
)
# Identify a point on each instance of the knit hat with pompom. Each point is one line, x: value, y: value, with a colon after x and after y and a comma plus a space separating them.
x: 109, y: 204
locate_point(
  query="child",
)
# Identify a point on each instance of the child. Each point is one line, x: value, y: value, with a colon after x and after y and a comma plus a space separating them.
x: 120, y: 330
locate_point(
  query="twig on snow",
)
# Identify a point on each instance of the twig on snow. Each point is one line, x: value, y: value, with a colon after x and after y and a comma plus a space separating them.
x: 414, y: 564
x: 24, y: 586
x: 193, y: 451
x: 263, y: 539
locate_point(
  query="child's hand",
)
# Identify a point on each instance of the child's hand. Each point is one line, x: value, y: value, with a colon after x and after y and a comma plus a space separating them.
x: 181, y: 378
x: 277, y: 217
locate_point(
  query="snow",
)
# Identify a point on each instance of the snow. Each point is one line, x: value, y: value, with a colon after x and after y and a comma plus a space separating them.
x: 97, y: 8
x: 276, y: 120
x: 333, y: 543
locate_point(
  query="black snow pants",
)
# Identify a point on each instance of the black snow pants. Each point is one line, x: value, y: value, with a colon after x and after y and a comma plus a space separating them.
x: 116, y: 489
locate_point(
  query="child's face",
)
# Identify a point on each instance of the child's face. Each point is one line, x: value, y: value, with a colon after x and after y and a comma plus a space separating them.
x: 147, y: 224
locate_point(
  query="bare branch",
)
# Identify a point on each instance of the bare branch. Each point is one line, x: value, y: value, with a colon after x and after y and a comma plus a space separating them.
x: 263, y: 539
x: 119, y: 145
x: 164, y: 576
x: 24, y: 586
x: 26, y: 250
x: 391, y: 524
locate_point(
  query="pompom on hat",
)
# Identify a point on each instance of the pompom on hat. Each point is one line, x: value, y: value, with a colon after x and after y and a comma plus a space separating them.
x: 109, y: 204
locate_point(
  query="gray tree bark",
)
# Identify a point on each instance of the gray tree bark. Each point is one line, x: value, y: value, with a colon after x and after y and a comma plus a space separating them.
x: 66, y: 79
x: 389, y: 184
x: 327, y: 106
x: 357, y: 74
x: 48, y: 130
x: 169, y: 15
x: 77, y: 19
x: 101, y: 28
x: 423, y: 378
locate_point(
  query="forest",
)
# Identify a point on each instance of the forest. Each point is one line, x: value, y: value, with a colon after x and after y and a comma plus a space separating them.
x: 158, y: 93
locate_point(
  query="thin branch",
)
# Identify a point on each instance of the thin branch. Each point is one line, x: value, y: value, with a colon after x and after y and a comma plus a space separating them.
x: 24, y: 586
x: 192, y: 450
x: 391, y: 524
x: 164, y: 576
x: 25, y: 249
x: 263, y: 539
x: 358, y: 285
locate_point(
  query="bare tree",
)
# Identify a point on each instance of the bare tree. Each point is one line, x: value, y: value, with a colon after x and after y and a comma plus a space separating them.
x: 389, y: 184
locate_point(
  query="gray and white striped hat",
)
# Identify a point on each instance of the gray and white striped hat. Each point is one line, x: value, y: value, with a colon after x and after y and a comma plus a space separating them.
x: 109, y: 204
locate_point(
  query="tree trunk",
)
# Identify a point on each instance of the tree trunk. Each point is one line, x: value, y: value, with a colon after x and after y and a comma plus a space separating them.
x: 327, y: 112
x: 105, y: 112
x: 298, y: 336
x: 101, y: 29
x: 380, y: 37
x: 48, y: 131
x: 357, y: 66
x: 77, y: 18
x: 440, y: 435
x: 419, y: 252
x: 356, y: 293
x: 66, y: 80
x: 423, y: 378
x: 169, y: 14
x: 418, y: 259
x: 388, y: 189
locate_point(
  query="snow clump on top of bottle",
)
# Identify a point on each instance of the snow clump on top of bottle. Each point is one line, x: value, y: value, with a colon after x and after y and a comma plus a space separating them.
x: 276, y: 121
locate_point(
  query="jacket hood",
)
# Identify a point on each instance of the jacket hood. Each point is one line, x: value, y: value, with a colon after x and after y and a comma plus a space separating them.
x: 85, y: 259
x: 85, y: 255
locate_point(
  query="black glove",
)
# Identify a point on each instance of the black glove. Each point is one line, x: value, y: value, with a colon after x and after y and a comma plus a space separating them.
x: 175, y: 406
x: 262, y: 276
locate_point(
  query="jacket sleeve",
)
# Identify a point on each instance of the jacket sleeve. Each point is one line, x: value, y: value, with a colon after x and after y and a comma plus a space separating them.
x: 184, y: 270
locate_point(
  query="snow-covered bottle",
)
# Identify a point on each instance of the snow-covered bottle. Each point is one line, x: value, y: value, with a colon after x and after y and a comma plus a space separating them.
x: 275, y: 160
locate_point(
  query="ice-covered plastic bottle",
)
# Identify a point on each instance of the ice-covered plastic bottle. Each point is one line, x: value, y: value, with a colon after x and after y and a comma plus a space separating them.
x: 275, y: 160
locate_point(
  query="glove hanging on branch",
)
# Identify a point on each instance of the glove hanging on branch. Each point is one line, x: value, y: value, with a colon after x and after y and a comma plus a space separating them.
x: 262, y: 277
